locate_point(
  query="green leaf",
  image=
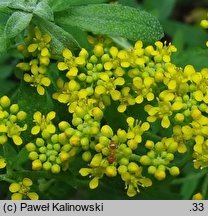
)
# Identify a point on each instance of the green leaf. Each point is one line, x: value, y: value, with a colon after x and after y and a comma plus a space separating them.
x: 4, y: 4
x: 194, y: 36
x: 188, y: 188
x: 5, y: 70
x: 3, y: 44
x: 44, y: 11
x: 114, y: 20
x: 30, y: 102
x: 7, y: 87
x: 161, y: 8
x: 111, y: 116
x: 20, y: 159
x: 65, y: 4
x: 195, y: 56
x: 60, y: 38
x: 17, y: 22
x: 19, y: 5
x: 9, y: 153
x: 131, y: 3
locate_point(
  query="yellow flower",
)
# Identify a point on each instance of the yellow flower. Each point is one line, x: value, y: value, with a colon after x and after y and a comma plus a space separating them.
x: 197, y: 196
x: 2, y: 163
x: 21, y: 190
x: 43, y: 123
x: 135, y: 131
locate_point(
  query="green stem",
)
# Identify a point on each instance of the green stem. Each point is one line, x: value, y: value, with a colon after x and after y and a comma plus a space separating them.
x: 190, y: 177
x: 134, y: 157
x: 6, y: 155
x: 5, y: 177
x: 205, y: 185
x: 122, y: 42
x: 151, y: 136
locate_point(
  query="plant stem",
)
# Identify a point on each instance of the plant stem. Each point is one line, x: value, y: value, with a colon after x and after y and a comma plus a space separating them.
x: 205, y: 185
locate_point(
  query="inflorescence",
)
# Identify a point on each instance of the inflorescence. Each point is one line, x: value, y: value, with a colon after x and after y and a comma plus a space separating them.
x: 172, y: 98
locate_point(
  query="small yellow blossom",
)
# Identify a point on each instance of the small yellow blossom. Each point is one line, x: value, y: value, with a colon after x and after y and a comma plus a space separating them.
x: 21, y: 190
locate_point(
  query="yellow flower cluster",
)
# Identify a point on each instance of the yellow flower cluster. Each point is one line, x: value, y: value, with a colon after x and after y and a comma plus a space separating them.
x: 21, y: 190
x: 37, y: 50
x: 92, y: 82
x: 10, y: 122
x: 174, y: 99
x: 159, y: 157
x: 53, y: 147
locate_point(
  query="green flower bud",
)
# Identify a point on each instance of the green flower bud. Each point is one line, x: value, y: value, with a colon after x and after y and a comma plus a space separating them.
x: 12, y: 118
x: 3, y: 139
x: 69, y: 131
x: 134, y: 168
x: 64, y: 156
x: 149, y: 144
x: 111, y: 171
x: 80, y: 113
x: 122, y: 169
x: 5, y: 102
x: 40, y: 142
x: 57, y: 147
x: 30, y: 147
x: 47, y: 166
x: 62, y: 138
x: 52, y: 158
x: 36, y: 164
x: 105, y: 151
x: 145, y: 160
x: 159, y: 146
x: 54, y: 138
x: 127, y: 152
x: 63, y: 125
x: 174, y: 171
x: 55, y: 169
x: 76, y: 121
x: 97, y: 113
x: 33, y: 155
x: 14, y: 108
x: 82, y: 77
x: 152, y: 170
x: 66, y: 147
x: 124, y: 161
x: 107, y: 131
x: 104, y: 140
x: 49, y: 146
x: 21, y: 115
x: 169, y: 157
x: 122, y: 136
x: 151, y: 154
x: 87, y: 156
x: 173, y: 147
x: 43, y: 149
x: 42, y: 157
x: 160, y: 175
x: 96, y: 160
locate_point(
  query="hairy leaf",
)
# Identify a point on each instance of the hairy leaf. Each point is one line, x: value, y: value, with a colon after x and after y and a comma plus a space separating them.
x: 60, y: 38
x: 65, y: 4
x: 17, y: 22
x: 4, y: 4
x: 3, y: 44
x: 114, y: 20
x: 19, y: 5
x: 44, y: 11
